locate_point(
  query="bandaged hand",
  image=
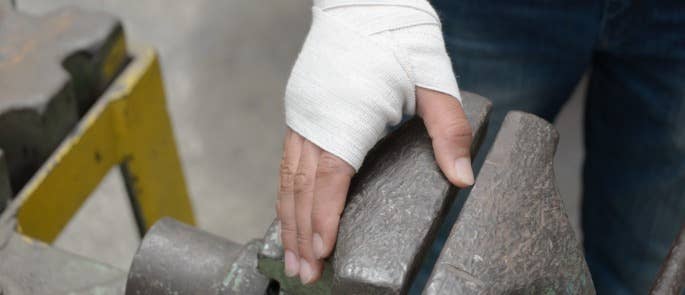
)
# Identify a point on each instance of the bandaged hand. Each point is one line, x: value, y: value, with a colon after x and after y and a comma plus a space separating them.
x: 364, y: 65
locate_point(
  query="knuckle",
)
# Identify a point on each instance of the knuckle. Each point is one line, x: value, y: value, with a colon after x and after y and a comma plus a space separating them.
x: 321, y: 220
x: 287, y: 178
x: 304, y: 182
x: 288, y: 228
x: 330, y: 165
x: 302, y: 238
x: 456, y: 130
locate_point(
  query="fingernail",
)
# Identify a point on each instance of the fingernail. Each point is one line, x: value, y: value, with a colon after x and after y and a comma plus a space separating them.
x: 464, y: 172
x: 318, y: 246
x: 291, y: 265
x: 305, y: 272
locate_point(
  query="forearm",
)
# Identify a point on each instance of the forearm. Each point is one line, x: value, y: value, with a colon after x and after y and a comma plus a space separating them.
x: 358, y: 70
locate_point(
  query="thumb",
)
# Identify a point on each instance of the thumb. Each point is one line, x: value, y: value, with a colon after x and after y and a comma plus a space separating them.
x: 450, y: 133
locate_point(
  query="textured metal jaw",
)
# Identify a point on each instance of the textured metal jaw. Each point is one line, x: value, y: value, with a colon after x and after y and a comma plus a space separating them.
x: 671, y: 277
x: 175, y: 258
x: 512, y: 235
x: 395, y: 204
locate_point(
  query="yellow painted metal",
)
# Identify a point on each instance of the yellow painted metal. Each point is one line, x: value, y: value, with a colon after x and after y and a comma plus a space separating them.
x: 128, y: 125
x: 114, y: 59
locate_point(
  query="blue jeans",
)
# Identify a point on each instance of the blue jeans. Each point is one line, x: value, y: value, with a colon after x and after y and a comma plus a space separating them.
x: 529, y: 55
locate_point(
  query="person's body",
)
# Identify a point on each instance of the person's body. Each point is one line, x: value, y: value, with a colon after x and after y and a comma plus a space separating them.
x: 529, y: 55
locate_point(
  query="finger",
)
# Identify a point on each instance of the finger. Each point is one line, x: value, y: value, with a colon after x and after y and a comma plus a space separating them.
x: 450, y: 132
x: 304, y: 196
x: 333, y: 177
x: 286, y: 200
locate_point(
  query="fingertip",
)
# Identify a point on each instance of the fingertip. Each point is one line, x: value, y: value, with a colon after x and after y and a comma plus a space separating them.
x: 307, y: 274
x: 450, y: 133
x: 292, y: 264
x: 310, y: 271
x: 463, y: 172
x: 319, y: 248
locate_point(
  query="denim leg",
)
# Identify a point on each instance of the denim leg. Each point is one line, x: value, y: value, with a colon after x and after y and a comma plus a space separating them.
x: 522, y: 55
x: 634, y: 173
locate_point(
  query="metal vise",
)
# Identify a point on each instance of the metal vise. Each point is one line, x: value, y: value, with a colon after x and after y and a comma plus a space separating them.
x: 512, y: 234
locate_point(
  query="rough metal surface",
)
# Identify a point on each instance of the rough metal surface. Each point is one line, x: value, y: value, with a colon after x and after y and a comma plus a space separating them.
x: 31, y: 267
x: 394, y: 207
x: 52, y: 68
x: 175, y: 258
x: 671, y: 277
x: 272, y: 247
x: 512, y: 235
x: 395, y: 203
x: 243, y: 277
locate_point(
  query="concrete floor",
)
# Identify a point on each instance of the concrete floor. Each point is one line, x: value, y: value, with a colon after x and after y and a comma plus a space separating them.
x: 225, y: 66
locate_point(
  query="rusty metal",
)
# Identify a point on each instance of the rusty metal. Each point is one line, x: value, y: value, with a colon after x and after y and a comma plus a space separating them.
x: 671, y: 277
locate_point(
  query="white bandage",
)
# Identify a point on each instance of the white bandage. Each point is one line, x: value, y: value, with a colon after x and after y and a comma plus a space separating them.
x: 357, y: 72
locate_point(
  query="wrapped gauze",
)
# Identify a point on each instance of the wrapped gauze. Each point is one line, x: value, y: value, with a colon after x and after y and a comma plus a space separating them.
x: 358, y: 69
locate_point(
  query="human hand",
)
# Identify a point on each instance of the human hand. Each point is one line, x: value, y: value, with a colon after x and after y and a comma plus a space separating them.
x: 314, y: 183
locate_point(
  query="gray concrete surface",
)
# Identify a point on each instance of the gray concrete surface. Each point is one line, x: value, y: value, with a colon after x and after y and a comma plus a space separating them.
x: 225, y: 65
